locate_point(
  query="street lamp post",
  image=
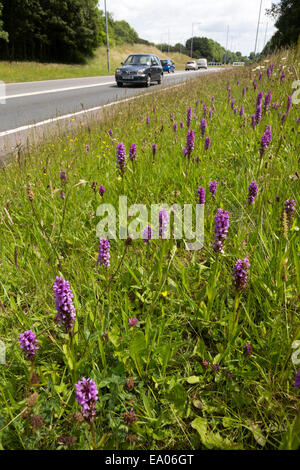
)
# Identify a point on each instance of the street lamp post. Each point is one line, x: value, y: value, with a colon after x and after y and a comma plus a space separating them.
x: 257, y: 28
x: 107, y: 39
x: 193, y: 38
x: 226, y: 45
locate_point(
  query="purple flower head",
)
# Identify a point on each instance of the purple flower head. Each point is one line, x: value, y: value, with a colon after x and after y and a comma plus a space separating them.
x: 89, y: 128
x: 252, y: 191
x: 232, y: 103
x: 189, y: 116
x: 87, y: 395
x: 204, y: 110
x: 297, y: 380
x: 104, y: 252
x: 64, y: 304
x: 87, y: 148
x: 63, y: 176
x: 163, y: 220
x: 229, y: 96
x: 269, y: 72
x: 154, y: 149
x: 253, y: 120
x: 289, y: 104
x: 260, y: 76
x: 242, y: 111
x: 132, y: 152
x: 181, y: 124
x: 201, y: 195
x: 121, y: 157
x: 147, y: 234
x: 265, y: 140
x: 211, y: 111
x: 282, y: 77
x: 203, y: 126
x: 62, y: 195
x: 213, y: 188
x: 240, y: 273
x: 244, y: 91
x: 207, y: 143
x: 254, y: 84
x: 268, y: 99
x: 258, y: 113
x: 172, y: 116
x: 212, y: 100
x: 221, y: 229
x: 216, y: 367
x: 190, y: 142
x: 133, y: 321
x: 110, y: 132
x: 289, y: 208
x: 147, y: 120
x: 275, y: 105
x: 28, y: 343
x: 175, y: 127
x: 101, y: 190
x: 235, y: 110
x: 154, y: 109
x: 283, y: 118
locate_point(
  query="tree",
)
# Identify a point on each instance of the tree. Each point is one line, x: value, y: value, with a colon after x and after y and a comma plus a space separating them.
x: 3, y: 34
x: 60, y: 30
x: 287, y: 14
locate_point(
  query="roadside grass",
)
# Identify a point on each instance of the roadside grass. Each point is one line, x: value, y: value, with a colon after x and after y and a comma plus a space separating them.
x: 12, y: 72
x: 187, y: 306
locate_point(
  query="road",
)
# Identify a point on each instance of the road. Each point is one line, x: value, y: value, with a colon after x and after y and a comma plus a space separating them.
x: 32, y: 107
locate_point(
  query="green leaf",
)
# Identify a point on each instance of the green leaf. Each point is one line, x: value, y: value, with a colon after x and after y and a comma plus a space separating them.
x: 200, y: 424
x: 193, y: 380
x: 137, y: 347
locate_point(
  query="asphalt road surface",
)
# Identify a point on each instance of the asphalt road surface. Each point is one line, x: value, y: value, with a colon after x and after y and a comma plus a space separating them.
x: 39, y: 105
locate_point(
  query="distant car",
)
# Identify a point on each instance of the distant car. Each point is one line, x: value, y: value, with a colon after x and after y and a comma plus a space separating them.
x: 238, y: 64
x: 202, y: 63
x: 167, y: 65
x: 139, y: 69
x: 191, y: 65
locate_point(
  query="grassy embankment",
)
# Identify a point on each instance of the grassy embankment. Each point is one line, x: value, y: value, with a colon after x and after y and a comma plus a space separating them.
x: 208, y: 365
x: 32, y: 71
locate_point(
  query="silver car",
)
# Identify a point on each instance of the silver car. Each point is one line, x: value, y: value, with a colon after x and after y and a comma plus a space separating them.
x: 191, y: 65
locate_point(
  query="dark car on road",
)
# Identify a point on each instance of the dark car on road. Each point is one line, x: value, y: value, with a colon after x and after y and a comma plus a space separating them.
x: 139, y: 69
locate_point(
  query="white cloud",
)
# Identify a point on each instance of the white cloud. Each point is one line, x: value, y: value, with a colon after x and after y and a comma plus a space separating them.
x: 154, y: 20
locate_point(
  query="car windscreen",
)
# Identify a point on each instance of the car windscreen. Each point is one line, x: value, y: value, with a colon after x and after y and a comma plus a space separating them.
x: 164, y: 62
x: 138, y: 60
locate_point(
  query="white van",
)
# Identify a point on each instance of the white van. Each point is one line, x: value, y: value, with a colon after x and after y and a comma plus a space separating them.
x: 202, y: 63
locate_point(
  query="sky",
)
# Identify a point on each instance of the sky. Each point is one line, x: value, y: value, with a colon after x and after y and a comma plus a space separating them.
x: 156, y: 20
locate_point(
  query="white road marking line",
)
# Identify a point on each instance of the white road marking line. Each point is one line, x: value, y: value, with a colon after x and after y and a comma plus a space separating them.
x: 59, y: 90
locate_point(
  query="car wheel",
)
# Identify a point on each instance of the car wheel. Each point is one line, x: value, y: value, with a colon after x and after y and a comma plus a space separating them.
x: 119, y: 84
x: 148, y: 82
x: 159, y: 81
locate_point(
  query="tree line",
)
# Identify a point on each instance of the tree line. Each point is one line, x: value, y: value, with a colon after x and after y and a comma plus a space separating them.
x: 287, y: 16
x: 205, y: 48
x: 57, y: 30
